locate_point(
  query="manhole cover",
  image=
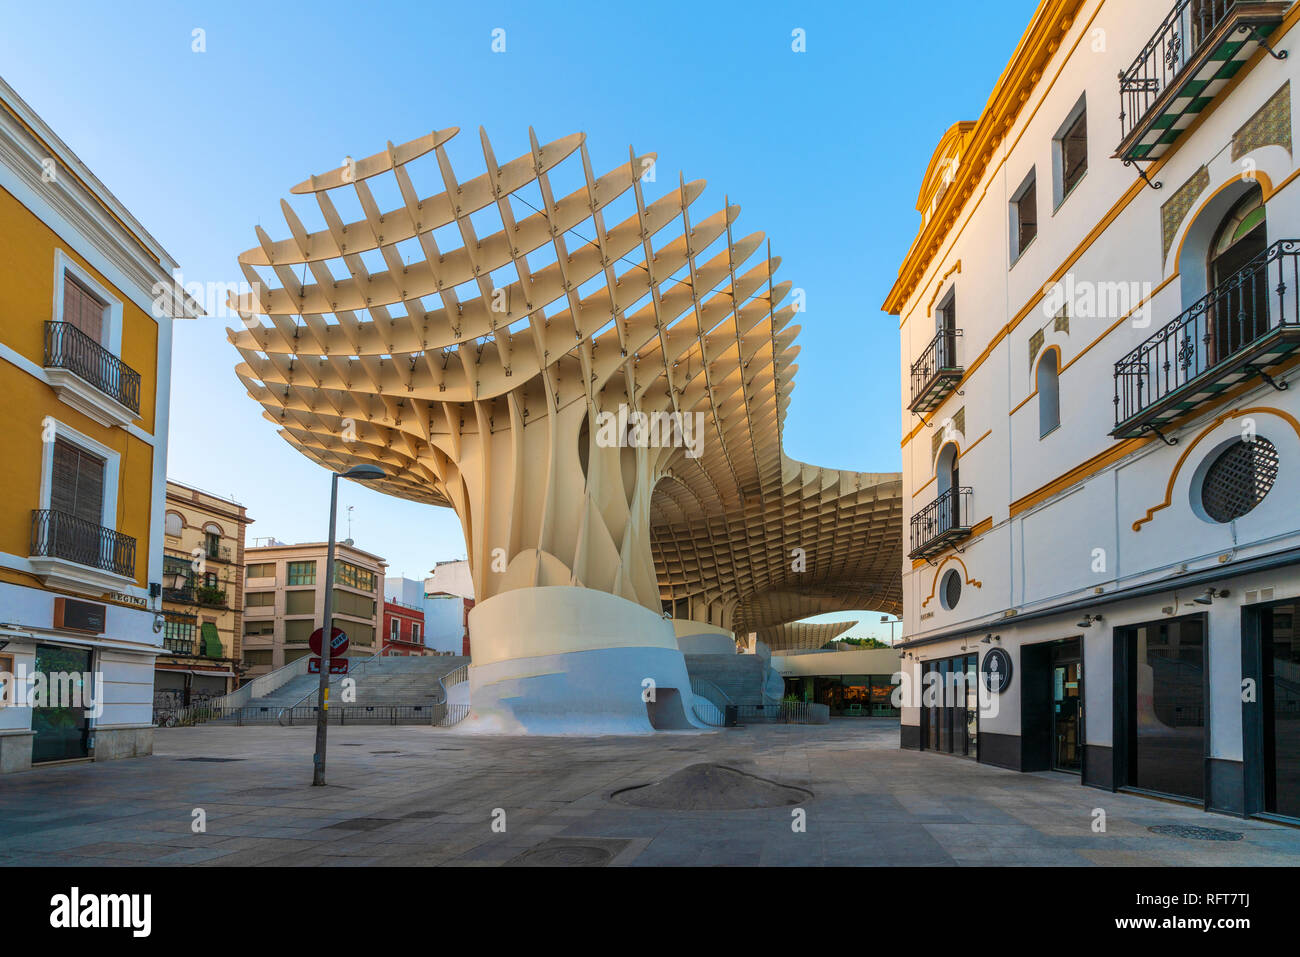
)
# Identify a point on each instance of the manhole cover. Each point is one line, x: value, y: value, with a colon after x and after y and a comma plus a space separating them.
x: 1191, y: 832
x: 712, y: 787
x: 361, y: 824
x: 211, y: 760
x: 563, y: 852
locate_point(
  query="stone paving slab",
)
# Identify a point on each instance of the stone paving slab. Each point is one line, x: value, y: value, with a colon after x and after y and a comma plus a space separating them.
x: 414, y: 796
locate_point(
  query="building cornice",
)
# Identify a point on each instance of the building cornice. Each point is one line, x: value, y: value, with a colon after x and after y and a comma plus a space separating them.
x: 1011, y: 93
x: 79, y: 199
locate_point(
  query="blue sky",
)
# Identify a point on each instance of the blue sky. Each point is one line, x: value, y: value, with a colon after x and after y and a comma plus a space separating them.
x: 824, y: 150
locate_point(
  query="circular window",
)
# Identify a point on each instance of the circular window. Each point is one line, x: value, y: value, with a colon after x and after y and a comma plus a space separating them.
x: 950, y: 589
x: 1238, y: 479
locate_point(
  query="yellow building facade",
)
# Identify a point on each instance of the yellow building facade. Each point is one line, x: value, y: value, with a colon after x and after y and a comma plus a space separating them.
x: 203, y: 597
x: 86, y: 305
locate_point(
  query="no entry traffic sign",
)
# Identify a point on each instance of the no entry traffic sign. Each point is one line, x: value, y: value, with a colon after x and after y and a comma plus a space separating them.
x: 338, y: 642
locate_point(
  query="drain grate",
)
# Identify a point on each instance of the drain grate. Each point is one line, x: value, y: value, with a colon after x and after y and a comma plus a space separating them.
x: 1191, y: 832
x: 569, y: 852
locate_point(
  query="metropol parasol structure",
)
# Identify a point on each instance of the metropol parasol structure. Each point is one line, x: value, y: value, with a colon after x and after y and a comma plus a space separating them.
x: 595, y: 381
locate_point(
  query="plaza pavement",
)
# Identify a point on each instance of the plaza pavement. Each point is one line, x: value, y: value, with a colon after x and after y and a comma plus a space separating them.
x: 421, y: 796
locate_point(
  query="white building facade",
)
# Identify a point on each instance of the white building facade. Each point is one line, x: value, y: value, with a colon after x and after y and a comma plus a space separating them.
x: 1101, y: 436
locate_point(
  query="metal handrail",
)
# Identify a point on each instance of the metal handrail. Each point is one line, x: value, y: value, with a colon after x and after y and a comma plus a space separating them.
x: 1207, y: 335
x: 1176, y: 41
x: 359, y: 669
x: 452, y: 714
x: 939, y: 354
x: 944, y: 514
x: 63, y: 535
x: 67, y: 347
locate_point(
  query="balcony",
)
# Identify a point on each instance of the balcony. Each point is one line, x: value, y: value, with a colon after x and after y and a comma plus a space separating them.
x: 1195, y: 52
x: 941, y: 524
x: 90, y: 378
x: 936, y: 374
x: 1243, y: 328
x: 74, y: 553
x: 179, y: 646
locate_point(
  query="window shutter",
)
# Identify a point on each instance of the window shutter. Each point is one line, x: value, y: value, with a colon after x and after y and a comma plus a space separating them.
x: 77, y: 485
x: 82, y: 309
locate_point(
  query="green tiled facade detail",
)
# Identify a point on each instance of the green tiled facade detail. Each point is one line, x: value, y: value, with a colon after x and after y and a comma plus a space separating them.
x: 1035, y: 344
x: 1176, y: 208
x: 1270, y: 126
x: 940, y: 433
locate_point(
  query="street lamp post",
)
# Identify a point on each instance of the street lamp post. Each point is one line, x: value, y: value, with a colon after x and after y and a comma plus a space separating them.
x: 327, y: 629
x: 885, y: 619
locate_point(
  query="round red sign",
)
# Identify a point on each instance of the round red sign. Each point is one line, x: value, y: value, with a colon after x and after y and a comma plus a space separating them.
x: 338, y: 642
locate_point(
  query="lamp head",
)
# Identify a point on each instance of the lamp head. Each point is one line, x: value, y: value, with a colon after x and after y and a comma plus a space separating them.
x: 364, y: 471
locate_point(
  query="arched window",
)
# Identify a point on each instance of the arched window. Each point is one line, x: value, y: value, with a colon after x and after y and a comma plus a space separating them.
x: 1238, y: 312
x: 174, y: 524
x: 1049, y: 392
x: 948, y: 485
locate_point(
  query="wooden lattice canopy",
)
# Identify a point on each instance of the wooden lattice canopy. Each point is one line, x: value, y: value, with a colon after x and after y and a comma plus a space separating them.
x: 474, y: 342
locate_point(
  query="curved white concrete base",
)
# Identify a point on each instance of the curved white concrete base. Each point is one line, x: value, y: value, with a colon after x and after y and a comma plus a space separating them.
x: 563, y: 660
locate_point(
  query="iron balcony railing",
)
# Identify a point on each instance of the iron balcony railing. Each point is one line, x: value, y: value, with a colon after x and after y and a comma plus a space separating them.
x: 61, y: 535
x: 942, y: 521
x: 1242, y: 326
x: 67, y: 347
x: 1166, y: 54
x: 936, y: 367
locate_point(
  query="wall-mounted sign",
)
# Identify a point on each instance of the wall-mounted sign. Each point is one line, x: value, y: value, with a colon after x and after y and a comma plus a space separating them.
x: 996, y: 670
x: 79, y: 615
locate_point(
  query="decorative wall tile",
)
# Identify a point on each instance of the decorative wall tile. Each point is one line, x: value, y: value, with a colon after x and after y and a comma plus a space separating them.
x: 1270, y: 126
x: 1176, y: 208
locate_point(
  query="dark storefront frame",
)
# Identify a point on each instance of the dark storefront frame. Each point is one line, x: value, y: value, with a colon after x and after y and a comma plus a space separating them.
x: 1124, y: 728
x: 828, y: 690
x: 62, y: 733
x: 939, y: 725
x: 1254, y: 717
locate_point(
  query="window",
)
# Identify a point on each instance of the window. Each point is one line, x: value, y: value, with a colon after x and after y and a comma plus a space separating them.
x: 1238, y: 479
x: 1024, y: 216
x: 345, y: 573
x: 350, y: 603
x: 395, y: 630
x: 261, y: 570
x: 302, y: 573
x: 950, y: 589
x: 415, y: 631
x: 86, y: 305
x: 174, y: 524
x: 300, y: 602
x: 299, y: 629
x: 255, y: 658
x: 259, y: 599
x: 83, y: 309
x: 358, y: 633
x: 1049, y: 393
x: 946, y: 322
x: 77, y: 485
x: 178, y: 634
x: 1070, y: 152
x: 259, y: 628
x: 212, y: 543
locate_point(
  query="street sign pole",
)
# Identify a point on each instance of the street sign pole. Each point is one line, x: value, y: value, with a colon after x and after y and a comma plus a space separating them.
x: 322, y: 716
